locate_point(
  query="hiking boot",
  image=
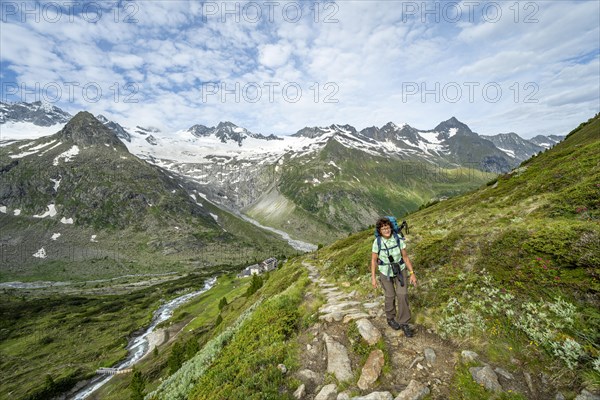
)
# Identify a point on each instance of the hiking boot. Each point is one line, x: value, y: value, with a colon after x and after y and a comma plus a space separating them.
x: 395, y: 325
x: 407, y: 331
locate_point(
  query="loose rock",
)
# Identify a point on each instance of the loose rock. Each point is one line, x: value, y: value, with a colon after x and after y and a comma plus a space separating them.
x: 414, y: 391
x: 585, y: 395
x: 487, y: 377
x: 504, y: 373
x: 368, y: 331
x: 529, y: 382
x: 416, y: 360
x: 300, y: 392
x: 469, y: 356
x: 371, y: 370
x: 430, y: 356
x: 308, y: 376
x: 329, y: 392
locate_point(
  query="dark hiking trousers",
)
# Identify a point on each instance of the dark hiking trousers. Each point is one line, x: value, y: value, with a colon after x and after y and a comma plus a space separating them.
x: 396, y: 295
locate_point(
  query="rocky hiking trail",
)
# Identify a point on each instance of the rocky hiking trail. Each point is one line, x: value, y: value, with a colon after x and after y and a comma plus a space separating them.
x: 402, y: 369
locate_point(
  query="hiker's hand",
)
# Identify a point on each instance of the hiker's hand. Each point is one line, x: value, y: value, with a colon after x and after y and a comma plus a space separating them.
x: 374, y: 282
x: 413, y: 280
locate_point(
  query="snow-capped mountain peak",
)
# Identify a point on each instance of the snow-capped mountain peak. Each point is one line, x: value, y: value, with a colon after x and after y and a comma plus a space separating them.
x: 227, y: 132
x: 453, y: 127
x: 115, y: 127
x: 39, y: 113
x: 546, y: 141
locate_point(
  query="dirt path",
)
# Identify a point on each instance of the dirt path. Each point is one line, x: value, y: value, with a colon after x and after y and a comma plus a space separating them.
x: 394, y: 367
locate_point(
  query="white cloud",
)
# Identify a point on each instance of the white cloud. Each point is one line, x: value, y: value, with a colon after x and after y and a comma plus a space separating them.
x: 274, y: 55
x: 368, y: 57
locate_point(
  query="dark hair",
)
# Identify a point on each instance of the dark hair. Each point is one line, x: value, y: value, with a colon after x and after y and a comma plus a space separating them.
x: 381, y: 222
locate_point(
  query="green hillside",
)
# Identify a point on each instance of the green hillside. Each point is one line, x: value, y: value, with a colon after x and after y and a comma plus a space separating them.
x: 514, y: 266
x: 508, y: 270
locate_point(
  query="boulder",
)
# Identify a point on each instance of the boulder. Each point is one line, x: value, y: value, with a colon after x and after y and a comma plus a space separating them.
x: 328, y: 392
x: 414, y: 391
x: 371, y: 370
x: 487, y: 377
x: 368, y: 331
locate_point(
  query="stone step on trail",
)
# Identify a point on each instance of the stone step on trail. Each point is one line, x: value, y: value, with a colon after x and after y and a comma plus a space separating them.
x: 373, y: 396
x: 343, y: 307
x: 338, y: 361
x: 368, y: 331
x: 355, y: 316
x: 337, y: 307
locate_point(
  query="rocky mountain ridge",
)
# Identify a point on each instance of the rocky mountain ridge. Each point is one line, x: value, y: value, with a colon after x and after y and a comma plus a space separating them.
x: 38, y: 113
x: 404, y: 136
x: 283, y: 182
x: 228, y: 131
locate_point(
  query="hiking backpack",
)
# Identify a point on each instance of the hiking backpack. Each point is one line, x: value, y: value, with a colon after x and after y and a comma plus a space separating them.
x: 396, y: 232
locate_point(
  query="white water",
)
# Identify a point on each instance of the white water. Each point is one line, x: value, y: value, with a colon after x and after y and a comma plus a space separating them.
x: 297, y: 244
x: 138, y: 346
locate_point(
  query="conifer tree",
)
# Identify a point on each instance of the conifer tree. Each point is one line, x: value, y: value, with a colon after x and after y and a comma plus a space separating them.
x: 138, y: 382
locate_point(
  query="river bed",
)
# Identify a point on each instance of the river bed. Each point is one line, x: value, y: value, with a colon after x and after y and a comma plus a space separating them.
x: 296, y: 244
x: 138, y: 345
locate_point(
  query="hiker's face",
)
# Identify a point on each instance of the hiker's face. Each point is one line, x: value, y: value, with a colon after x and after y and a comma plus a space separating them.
x: 386, y: 231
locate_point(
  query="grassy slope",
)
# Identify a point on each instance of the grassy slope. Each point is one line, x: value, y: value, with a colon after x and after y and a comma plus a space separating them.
x: 494, y: 263
x: 198, y: 316
x: 246, y: 364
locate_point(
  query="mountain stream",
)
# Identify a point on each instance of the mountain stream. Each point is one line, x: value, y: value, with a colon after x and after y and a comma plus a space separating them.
x: 138, y: 345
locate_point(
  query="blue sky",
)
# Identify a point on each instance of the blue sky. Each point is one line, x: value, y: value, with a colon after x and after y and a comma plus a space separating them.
x: 530, y: 67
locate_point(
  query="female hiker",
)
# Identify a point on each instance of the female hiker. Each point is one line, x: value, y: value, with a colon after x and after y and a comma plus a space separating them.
x: 390, y: 262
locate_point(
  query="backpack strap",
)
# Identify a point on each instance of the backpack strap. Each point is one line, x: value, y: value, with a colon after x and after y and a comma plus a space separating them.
x: 398, y: 239
x: 379, y: 261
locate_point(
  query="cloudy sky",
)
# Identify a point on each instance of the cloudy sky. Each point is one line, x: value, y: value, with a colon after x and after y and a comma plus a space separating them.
x: 530, y: 67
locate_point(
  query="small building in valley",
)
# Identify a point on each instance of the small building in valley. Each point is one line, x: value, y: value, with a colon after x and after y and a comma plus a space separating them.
x: 267, y: 265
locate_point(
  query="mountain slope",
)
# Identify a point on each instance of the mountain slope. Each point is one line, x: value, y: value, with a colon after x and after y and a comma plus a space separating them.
x: 514, y: 146
x: 88, y: 174
x: 283, y: 181
x: 79, y: 195
x: 344, y: 191
x: 512, y: 268
x: 546, y: 141
x: 506, y: 271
